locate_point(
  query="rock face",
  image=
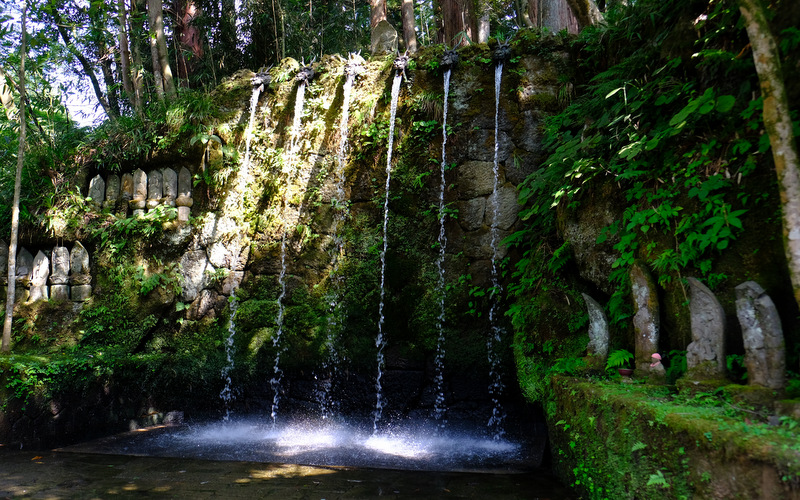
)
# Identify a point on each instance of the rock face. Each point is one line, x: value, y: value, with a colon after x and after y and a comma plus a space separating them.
x: 646, y: 318
x: 195, y: 271
x: 705, y: 356
x: 598, y: 331
x: 765, y: 356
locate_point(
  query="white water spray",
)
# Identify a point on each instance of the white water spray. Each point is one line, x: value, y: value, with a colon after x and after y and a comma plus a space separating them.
x: 380, y: 341
x: 495, y: 335
x: 439, y: 406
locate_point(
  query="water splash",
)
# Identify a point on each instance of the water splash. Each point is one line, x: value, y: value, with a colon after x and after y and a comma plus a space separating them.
x: 380, y: 341
x: 277, y: 373
x: 495, y: 335
x: 226, y: 394
x: 439, y: 406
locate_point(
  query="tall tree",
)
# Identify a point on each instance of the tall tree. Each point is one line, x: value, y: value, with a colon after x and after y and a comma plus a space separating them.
x: 190, y: 39
x: 457, y: 23
x: 125, y: 58
x: 409, y: 26
x: 778, y: 123
x: 12, y: 245
x: 111, y: 108
x: 156, y: 10
x: 555, y: 15
x: 377, y: 12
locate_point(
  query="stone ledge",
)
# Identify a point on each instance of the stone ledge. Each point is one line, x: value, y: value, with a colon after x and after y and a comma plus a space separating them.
x: 619, y: 440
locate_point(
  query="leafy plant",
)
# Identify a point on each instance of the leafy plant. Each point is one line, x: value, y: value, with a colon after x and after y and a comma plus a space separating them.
x: 620, y: 358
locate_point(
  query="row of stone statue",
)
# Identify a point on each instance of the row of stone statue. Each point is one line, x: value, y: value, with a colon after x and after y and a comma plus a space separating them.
x: 66, y: 272
x: 141, y: 190
x: 765, y: 353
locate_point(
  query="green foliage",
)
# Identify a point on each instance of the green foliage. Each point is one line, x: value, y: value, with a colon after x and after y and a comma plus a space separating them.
x: 620, y: 358
x: 671, y: 137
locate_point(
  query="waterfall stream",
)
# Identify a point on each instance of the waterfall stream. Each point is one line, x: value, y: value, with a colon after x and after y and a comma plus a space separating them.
x: 298, y: 115
x: 380, y: 341
x: 439, y: 406
x: 226, y: 394
x: 331, y: 364
x: 277, y: 373
x: 495, y: 335
x: 249, y: 132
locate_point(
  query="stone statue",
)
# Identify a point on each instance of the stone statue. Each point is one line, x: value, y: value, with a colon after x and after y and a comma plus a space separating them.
x: 384, y: 39
x: 705, y: 356
x: 646, y: 318
x: 112, y: 191
x: 97, y: 191
x: 41, y: 270
x: 170, y: 190
x: 765, y: 353
x: 155, y: 189
x: 59, y: 274
x: 139, y: 192
x: 184, y: 200
x: 79, y: 277
x: 598, y: 332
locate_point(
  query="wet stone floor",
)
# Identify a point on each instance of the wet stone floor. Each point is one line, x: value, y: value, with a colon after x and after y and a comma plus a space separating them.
x: 61, y: 475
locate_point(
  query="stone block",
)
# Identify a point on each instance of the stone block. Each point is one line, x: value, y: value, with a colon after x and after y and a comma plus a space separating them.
x: 59, y: 292
x: 38, y: 292
x: 80, y: 293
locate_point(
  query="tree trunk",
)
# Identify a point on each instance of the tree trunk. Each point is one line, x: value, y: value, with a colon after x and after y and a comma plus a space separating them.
x: 409, y: 26
x: 586, y: 12
x: 555, y: 15
x: 111, y: 111
x: 125, y: 55
x: 136, y: 33
x: 12, y: 244
x: 378, y: 12
x: 484, y: 21
x: 189, y: 40
x: 157, y: 74
x: 156, y: 9
x: 458, y: 25
x: 778, y: 124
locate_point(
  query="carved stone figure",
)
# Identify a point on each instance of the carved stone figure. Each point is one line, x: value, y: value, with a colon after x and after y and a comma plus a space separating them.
x: 184, y: 200
x: 139, y: 192
x: 646, y: 318
x: 41, y: 270
x: 384, y: 39
x: 170, y: 190
x: 765, y: 354
x: 97, y: 191
x: 112, y: 191
x: 155, y: 189
x: 705, y: 356
x: 79, y: 277
x: 126, y: 190
x: 598, y: 331
x: 59, y: 274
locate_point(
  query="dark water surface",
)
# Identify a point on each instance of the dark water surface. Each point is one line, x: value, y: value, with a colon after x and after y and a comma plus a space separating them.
x: 66, y: 475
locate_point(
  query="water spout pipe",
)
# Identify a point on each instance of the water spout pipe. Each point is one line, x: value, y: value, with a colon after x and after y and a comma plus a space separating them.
x: 354, y: 66
x: 449, y: 59
x: 306, y: 74
x: 502, y: 52
x: 261, y: 79
x: 400, y: 64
